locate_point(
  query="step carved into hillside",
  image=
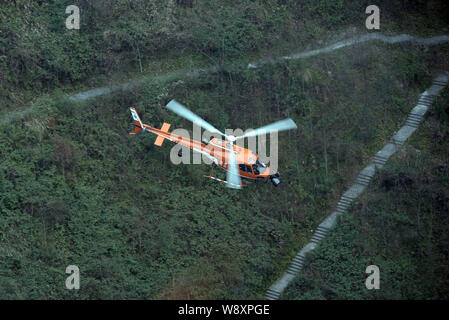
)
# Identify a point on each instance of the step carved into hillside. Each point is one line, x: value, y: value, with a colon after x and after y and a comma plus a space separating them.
x: 366, y: 175
x: 363, y: 179
x: 403, y: 134
x: 381, y: 157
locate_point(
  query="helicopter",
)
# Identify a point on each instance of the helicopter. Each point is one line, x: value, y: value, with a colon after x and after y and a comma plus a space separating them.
x: 240, y: 163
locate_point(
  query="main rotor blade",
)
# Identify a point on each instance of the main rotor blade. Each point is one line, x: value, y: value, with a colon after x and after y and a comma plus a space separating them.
x: 179, y: 109
x: 233, y: 175
x: 281, y: 125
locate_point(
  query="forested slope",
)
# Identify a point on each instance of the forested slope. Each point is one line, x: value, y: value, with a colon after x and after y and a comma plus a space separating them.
x: 400, y: 225
x: 75, y: 188
x: 39, y: 55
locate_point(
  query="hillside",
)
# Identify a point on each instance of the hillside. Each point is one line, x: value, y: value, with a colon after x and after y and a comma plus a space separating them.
x: 400, y: 224
x: 75, y: 188
x: 39, y: 55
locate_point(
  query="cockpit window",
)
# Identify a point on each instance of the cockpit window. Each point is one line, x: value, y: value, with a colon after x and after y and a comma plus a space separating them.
x: 245, y: 168
x: 259, y: 167
x: 256, y: 170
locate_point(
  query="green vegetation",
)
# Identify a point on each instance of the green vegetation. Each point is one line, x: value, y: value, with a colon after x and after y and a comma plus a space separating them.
x: 400, y: 225
x: 75, y: 188
x: 38, y: 54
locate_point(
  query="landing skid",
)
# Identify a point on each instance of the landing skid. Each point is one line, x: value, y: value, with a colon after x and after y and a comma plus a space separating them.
x: 220, y: 180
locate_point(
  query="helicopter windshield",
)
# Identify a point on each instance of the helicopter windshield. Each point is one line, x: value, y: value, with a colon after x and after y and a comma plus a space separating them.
x: 259, y: 168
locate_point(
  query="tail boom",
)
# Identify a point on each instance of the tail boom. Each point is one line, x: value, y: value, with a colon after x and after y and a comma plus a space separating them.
x: 163, y: 134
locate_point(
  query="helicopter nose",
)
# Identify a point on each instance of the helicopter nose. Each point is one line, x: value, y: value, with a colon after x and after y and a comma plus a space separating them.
x: 276, y: 179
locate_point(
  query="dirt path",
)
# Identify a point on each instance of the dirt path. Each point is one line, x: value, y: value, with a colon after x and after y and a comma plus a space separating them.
x: 101, y: 91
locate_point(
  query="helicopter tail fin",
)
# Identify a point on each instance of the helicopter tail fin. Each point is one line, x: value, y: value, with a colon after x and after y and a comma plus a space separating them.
x: 138, y: 125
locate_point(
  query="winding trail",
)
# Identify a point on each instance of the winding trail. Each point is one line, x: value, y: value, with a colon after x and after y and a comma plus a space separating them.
x: 101, y: 91
x: 380, y: 158
x: 357, y: 40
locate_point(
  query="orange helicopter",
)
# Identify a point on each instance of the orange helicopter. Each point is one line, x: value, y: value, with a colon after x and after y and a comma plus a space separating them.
x: 239, y: 162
